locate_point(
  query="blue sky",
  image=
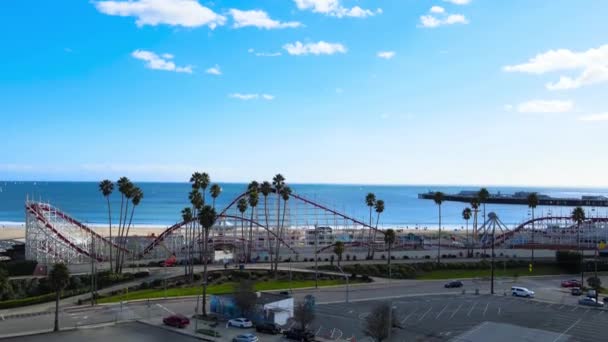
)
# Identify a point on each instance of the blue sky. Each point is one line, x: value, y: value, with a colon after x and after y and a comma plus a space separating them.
x: 342, y: 91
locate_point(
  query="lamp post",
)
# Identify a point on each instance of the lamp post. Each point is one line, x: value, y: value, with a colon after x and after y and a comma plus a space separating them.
x: 316, y: 257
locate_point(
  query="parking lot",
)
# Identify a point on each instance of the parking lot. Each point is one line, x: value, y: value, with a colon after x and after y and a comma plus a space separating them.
x: 441, y: 318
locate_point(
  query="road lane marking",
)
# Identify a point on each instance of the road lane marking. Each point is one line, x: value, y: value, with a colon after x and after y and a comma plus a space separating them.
x: 442, y: 310
x: 566, y: 331
x: 422, y: 317
x: 471, y: 310
x: 408, y: 316
x: 164, y: 308
x: 454, y: 313
x: 486, y: 309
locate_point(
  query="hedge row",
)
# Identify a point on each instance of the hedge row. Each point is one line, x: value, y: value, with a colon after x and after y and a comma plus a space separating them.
x: 9, y: 304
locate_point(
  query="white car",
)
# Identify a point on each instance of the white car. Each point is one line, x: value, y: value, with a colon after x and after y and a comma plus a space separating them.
x: 522, y: 292
x: 240, y: 323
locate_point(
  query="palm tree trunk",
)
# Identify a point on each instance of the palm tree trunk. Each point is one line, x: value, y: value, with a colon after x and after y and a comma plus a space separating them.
x: 267, y: 229
x: 110, y: 223
x: 281, y: 233
x: 389, y: 261
x: 369, y: 235
x: 122, y: 199
x: 532, y: 256
x: 374, y: 236
x: 468, y: 242
x: 124, y: 245
x: 276, y: 238
x: 439, y: 243
x: 206, y: 235
x: 250, y: 240
x: 56, y: 326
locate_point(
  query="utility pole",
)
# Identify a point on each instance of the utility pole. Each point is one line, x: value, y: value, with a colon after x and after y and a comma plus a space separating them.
x: 493, y: 231
x: 316, y: 258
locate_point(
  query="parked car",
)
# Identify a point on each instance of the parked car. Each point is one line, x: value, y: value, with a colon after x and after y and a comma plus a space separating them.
x: 590, y: 302
x: 571, y: 283
x: 240, y: 323
x: 576, y: 291
x: 178, y: 321
x: 454, y: 283
x: 591, y: 294
x: 522, y: 292
x: 246, y: 338
x: 299, y: 335
x: 268, y: 328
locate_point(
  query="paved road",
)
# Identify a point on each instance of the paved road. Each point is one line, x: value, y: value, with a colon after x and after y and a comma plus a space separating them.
x: 116, y: 333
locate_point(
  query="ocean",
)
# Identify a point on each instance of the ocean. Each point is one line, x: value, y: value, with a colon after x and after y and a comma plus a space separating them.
x: 163, y: 202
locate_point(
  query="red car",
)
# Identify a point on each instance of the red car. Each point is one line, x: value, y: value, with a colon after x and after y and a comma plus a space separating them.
x: 178, y: 321
x: 571, y: 283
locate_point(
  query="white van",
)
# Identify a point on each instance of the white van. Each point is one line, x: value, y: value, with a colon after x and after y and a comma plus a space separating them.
x: 522, y: 292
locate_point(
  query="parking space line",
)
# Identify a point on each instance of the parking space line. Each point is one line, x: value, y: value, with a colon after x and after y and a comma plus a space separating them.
x: 499, y: 311
x: 408, y: 316
x: 565, y: 331
x: 561, y: 307
x: 454, y: 313
x: 574, y: 309
x: 318, y: 330
x: 486, y: 309
x: 442, y: 310
x: 164, y: 308
x: 422, y: 317
x: 471, y: 310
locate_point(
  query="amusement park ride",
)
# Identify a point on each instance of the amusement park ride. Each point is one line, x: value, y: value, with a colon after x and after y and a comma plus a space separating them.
x: 52, y: 235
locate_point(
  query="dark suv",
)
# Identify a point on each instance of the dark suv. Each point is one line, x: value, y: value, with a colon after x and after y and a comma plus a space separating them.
x: 299, y: 335
x: 268, y: 328
x: 456, y: 283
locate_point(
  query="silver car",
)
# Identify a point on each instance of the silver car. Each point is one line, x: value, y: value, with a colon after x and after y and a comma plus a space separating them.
x: 245, y: 338
x: 590, y: 302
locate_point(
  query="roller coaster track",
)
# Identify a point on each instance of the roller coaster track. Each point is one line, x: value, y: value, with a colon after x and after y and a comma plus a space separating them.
x: 223, y: 214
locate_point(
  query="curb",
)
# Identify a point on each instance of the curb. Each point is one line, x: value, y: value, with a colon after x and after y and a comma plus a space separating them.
x: 181, y: 332
x: 22, y: 315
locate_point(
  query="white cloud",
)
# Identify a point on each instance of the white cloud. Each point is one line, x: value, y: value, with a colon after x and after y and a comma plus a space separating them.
x: 437, y: 9
x: 386, y: 54
x: 459, y: 2
x: 264, y: 54
x: 594, y: 117
x: 545, y: 106
x: 320, y: 48
x: 215, y: 70
x: 247, y: 97
x: 162, y: 62
x: 439, y: 17
x: 334, y: 8
x: 593, y: 64
x: 187, y: 13
x: 259, y: 19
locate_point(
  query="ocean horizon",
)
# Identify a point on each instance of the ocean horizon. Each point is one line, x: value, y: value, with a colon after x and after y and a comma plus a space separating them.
x: 163, y: 202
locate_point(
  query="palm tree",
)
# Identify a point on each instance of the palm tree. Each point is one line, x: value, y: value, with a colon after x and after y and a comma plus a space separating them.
x: 475, y: 206
x: 266, y: 189
x: 254, y: 199
x: 253, y: 186
x: 125, y: 187
x: 483, y: 195
x: 215, y: 191
x: 370, y: 201
x: 285, y: 195
x: 197, y: 201
x: 187, y: 218
x: 106, y: 187
x: 339, y: 250
x: 137, y: 196
x: 578, y: 216
x: 206, y: 217
x: 278, y: 181
x: 438, y: 198
x: 242, y: 207
x: 389, y: 240
x: 379, y: 207
x: 532, y: 203
x: 466, y: 215
x: 59, y: 278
